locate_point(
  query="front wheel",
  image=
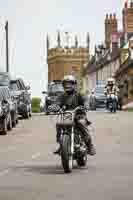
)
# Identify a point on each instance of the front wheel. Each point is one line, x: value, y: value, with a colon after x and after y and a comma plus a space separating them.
x: 82, y: 160
x: 66, y: 156
x: 114, y: 106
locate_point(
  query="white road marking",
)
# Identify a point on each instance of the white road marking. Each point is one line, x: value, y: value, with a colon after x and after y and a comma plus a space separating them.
x: 36, y: 155
x: 2, y: 173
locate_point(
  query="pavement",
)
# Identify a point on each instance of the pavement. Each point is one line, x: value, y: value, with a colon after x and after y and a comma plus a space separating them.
x: 30, y: 171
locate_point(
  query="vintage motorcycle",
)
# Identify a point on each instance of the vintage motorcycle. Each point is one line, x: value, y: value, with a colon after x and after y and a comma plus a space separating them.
x: 112, y: 102
x: 71, y: 143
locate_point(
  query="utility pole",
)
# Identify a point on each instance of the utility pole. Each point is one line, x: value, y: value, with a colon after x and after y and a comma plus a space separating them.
x: 7, y: 47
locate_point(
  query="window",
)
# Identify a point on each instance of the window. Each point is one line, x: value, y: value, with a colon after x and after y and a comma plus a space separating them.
x: 21, y: 84
x: 4, y: 79
x: 1, y: 94
x: 6, y: 93
x: 13, y: 86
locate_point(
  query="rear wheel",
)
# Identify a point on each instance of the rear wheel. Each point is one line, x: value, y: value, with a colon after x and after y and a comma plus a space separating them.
x: 114, y: 106
x: 66, y: 156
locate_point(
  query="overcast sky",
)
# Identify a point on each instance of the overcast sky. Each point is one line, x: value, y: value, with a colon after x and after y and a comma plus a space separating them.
x: 29, y: 22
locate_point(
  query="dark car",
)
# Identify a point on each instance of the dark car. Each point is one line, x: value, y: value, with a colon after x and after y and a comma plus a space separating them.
x: 100, y: 96
x: 8, y: 110
x: 55, y: 89
x: 21, y: 93
x: 97, y: 99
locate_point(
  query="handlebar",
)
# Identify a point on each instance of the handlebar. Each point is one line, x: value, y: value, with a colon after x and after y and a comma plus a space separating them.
x: 62, y: 111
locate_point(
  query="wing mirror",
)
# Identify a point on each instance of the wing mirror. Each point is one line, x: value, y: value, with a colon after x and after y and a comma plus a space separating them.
x: 4, y: 101
x: 44, y: 92
x: 27, y: 87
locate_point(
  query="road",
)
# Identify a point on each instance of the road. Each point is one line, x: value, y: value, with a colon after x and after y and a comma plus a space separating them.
x: 30, y: 171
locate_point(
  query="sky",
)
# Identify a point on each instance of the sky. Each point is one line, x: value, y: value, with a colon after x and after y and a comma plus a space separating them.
x: 31, y: 20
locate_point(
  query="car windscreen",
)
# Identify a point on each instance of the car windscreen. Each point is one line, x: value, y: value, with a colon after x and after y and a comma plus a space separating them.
x: 99, y: 90
x: 4, y: 80
x: 1, y: 94
x: 13, y: 86
x: 56, y: 88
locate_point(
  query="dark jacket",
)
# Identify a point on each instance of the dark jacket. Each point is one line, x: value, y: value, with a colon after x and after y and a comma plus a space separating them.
x: 71, y: 101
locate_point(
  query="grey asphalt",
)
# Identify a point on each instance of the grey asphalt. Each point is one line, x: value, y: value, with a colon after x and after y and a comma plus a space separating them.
x: 30, y: 171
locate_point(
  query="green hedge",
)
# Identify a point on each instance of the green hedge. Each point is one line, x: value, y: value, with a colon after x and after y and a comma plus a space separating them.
x: 36, y: 104
x: 130, y: 109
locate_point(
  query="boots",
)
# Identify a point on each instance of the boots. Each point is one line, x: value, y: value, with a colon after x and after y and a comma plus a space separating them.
x: 90, y: 148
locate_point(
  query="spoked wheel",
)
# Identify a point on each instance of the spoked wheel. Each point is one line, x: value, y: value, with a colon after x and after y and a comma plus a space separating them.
x: 66, y: 156
x: 114, y: 107
x: 111, y: 109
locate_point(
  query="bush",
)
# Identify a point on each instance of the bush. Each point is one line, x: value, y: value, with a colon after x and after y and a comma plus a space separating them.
x: 130, y: 109
x: 36, y: 104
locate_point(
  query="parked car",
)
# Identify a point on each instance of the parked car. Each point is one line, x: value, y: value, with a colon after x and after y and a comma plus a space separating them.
x: 100, y: 96
x: 55, y: 89
x: 8, y: 110
x: 21, y: 93
x: 97, y: 99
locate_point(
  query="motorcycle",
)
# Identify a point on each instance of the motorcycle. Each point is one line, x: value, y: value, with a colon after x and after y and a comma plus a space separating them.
x: 112, y: 102
x: 71, y: 143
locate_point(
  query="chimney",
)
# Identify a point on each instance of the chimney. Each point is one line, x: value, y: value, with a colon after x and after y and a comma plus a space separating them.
x: 107, y: 28
x: 126, y: 5
x: 131, y: 49
x: 131, y: 4
x: 111, y: 17
x: 111, y: 27
x: 128, y: 17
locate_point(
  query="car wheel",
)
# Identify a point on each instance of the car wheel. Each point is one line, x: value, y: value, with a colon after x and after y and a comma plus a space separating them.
x: 14, y: 120
x: 26, y: 115
x: 17, y: 120
x: 9, y: 126
x: 4, y: 126
x: 30, y: 115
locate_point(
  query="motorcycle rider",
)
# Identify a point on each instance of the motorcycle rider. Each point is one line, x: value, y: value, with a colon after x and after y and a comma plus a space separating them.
x: 111, y: 88
x: 70, y: 100
x: 92, y: 100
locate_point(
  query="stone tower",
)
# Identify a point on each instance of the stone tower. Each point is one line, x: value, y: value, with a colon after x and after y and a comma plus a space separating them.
x: 111, y: 26
x: 66, y: 60
x: 128, y: 17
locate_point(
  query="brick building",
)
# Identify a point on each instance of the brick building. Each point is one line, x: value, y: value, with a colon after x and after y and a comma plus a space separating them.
x: 66, y: 60
x: 128, y: 17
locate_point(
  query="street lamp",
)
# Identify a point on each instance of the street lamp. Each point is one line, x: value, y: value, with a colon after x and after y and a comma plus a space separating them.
x: 7, y: 48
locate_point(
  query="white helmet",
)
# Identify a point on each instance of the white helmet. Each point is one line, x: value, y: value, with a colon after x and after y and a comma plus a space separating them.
x: 70, y: 78
x: 93, y: 91
x: 111, y: 81
x: 69, y: 83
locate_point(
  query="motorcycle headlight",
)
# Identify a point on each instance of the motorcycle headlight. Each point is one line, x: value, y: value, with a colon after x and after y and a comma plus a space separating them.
x: 21, y: 98
x: 12, y: 106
